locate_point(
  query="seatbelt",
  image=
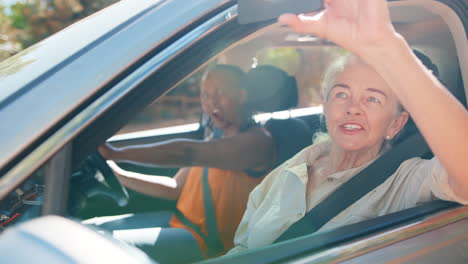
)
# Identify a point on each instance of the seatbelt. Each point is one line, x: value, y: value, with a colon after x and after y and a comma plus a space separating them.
x: 358, y: 186
x: 215, y: 245
x: 212, y: 238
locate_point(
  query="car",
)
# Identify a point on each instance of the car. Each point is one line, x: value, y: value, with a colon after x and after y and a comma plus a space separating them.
x: 68, y: 94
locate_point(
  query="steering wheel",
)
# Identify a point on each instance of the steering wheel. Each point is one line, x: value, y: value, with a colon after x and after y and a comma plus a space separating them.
x: 110, y: 185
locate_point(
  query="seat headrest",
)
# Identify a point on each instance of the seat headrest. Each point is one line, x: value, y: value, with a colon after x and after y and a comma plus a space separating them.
x: 270, y: 89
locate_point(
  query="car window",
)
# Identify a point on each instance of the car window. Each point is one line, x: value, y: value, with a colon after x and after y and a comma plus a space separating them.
x: 180, y: 106
x: 304, y: 57
x: 306, y: 63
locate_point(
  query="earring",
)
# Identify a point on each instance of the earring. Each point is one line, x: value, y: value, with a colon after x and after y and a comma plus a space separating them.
x: 387, y: 137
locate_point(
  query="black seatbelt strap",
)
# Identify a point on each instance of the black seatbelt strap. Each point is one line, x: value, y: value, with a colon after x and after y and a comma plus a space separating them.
x: 214, y: 241
x: 212, y: 238
x: 358, y: 186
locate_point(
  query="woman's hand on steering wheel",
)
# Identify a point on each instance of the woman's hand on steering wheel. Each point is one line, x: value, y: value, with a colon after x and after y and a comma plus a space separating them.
x: 114, y: 188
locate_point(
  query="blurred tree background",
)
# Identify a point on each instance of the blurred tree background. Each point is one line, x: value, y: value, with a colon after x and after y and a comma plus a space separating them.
x: 26, y: 22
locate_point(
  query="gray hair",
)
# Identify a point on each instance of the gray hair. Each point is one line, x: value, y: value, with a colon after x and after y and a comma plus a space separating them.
x: 336, y: 67
x: 339, y: 65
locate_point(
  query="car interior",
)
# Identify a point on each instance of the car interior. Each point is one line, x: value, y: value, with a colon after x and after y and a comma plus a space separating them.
x: 138, y: 118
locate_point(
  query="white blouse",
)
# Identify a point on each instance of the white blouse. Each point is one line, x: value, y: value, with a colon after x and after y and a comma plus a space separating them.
x: 281, y: 200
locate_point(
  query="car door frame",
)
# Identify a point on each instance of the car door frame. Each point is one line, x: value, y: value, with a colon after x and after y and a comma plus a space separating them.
x: 93, y: 134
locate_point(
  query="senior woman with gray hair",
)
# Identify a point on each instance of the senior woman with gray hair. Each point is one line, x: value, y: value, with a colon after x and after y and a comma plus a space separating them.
x: 363, y: 109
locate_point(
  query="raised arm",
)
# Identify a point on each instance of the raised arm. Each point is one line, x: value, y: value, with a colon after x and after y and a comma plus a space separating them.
x: 364, y: 27
x: 252, y: 150
x: 440, y: 117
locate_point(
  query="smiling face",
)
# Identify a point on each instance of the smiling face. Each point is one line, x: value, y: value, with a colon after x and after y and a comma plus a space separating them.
x: 360, y: 109
x: 222, y: 98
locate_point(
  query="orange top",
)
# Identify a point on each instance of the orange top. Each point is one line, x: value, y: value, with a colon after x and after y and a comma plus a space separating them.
x: 230, y: 191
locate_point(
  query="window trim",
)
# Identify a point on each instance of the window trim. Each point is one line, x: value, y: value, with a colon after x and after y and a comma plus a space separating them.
x: 352, y: 240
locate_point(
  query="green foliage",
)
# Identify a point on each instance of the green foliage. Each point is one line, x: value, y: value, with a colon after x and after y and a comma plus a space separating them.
x: 18, y: 19
x: 26, y: 22
x: 285, y: 58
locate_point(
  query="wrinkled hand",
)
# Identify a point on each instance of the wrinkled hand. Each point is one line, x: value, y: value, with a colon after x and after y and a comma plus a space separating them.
x: 360, y: 26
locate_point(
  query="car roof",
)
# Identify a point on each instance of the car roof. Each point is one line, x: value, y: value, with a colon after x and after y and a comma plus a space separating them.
x: 47, y: 82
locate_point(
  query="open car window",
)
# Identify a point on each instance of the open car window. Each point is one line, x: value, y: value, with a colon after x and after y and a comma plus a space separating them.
x: 430, y: 26
x: 181, y: 106
x: 306, y: 58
